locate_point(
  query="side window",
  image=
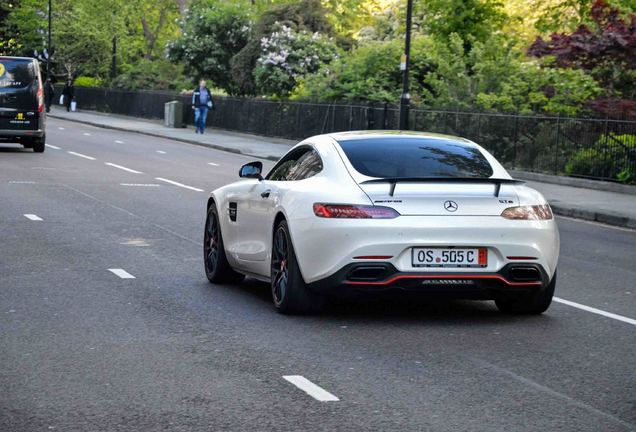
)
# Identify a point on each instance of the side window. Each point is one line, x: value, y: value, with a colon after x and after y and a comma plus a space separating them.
x: 308, y: 165
x: 297, y: 166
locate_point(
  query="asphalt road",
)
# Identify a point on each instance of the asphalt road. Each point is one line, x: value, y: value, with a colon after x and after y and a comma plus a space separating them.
x: 83, y: 349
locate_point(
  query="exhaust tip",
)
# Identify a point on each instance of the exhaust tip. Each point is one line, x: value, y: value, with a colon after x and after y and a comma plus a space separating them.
x: 367, y: 273
x: 525, y: 274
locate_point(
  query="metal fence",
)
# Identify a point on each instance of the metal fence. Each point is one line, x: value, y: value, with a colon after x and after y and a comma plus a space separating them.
x: 593, y: 148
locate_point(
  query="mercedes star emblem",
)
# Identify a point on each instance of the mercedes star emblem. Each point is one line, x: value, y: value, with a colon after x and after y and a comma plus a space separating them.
x: 450, y: 206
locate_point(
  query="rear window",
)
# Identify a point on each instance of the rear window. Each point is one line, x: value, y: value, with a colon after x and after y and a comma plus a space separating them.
x: 415, y: 157
x: 16, y: 73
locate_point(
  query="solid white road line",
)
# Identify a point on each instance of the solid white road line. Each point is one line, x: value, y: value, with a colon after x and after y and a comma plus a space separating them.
x: 32, y: 217
x: 140, y: 184
x: 179, y: 184
x: 310, y: 388
x: 122, y: 273
x: 52, y: 146
x: 122, y: 168
x: 119, y: 142
x: 213, y: 164
x: 161, y: 152
x: 595, y: 311
x: 81, y: 155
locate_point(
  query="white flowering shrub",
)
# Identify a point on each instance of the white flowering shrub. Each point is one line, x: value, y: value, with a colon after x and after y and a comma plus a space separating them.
x: 287, y: 55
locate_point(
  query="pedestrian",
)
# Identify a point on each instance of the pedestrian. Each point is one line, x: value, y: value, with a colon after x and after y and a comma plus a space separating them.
x: 201, y: 103
x: 69, y: 93
x: 49, y: 94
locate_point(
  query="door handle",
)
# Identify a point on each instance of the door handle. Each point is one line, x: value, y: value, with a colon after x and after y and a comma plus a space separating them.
x: 265, y: 194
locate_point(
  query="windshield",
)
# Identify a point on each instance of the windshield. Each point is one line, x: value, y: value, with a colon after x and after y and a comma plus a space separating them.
x: 414, y: 157
x: 16, y: 73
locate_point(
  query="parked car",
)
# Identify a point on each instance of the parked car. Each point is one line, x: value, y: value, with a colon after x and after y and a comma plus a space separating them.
x: 381, y: 211
x: 22, y: 117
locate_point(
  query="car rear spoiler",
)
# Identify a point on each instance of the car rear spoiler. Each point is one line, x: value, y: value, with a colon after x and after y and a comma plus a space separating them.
x: 395, y: 180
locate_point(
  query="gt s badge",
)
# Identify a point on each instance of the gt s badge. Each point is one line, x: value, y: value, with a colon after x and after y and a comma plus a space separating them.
x: 232, y: 211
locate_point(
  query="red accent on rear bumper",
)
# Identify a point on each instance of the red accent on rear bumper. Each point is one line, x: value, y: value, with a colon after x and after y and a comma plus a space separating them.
x: 466, y: 276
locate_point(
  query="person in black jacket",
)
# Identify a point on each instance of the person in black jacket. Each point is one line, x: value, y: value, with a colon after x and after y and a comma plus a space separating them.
x: 201, y: 103
x: 49, y: 94
x: 69, y: 93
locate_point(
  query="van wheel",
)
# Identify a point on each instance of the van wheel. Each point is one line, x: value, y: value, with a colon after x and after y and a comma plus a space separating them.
x: 38, y: 144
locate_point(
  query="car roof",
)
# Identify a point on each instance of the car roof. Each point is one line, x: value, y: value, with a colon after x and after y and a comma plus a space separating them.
x: 392, y: 134
x: 16, y: 58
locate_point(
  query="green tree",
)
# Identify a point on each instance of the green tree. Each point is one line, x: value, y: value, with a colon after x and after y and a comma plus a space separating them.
x: 472, y: 20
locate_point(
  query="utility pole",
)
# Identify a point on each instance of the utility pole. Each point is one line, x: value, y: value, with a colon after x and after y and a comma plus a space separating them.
x: 48, y: 48
x: 405, y: 62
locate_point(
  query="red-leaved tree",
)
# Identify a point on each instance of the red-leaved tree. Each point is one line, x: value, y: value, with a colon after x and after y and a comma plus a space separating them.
x: 606, y: 49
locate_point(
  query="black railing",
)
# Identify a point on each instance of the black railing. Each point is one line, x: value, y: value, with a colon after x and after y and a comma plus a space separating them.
x: 594, y: 148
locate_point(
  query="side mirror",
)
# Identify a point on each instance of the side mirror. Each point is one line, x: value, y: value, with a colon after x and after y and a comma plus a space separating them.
x: 251, y: 170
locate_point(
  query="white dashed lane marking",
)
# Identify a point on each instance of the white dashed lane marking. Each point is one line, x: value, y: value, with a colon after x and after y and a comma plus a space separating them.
x: 213, y: 164
x: 122, y: 168
x: 140, y: 184
x: 122, y: 273
x: 595, y: 311
x: 179, y: 184
x: 52, y: 146
x: 310, y: 388
x: 119, y: 141
x: 60, y: 128
x: 81, y: 155
x: 33, y: 217
x: 87, y: 134
x: 161, y: 152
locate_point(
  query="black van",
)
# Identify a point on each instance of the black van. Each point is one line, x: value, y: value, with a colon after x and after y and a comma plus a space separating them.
x: 22, y: 117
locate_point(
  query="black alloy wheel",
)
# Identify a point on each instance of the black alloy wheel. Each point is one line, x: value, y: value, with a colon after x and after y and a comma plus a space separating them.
x: 217, y: 268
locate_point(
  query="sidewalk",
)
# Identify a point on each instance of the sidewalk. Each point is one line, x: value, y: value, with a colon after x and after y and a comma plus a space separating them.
x: 588, y: 203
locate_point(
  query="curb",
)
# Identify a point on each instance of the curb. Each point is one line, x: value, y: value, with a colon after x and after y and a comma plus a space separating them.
x: 575, y: 182
x: 607, y: 218
x: 157, y: 135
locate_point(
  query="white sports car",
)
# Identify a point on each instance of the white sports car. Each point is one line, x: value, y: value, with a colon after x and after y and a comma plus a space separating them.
x: 375, y: 211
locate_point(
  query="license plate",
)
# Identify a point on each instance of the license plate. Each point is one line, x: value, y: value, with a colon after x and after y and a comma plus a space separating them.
x: 449, y: 257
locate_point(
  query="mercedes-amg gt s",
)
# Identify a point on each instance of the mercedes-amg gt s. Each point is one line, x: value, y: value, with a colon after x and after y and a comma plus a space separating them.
x: 384, y: 211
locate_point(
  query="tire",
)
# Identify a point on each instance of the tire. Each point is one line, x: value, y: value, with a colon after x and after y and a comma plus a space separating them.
x: 530, y: 304
x: 217, y: 268
x: 38, y: 144
x: 290, y: 294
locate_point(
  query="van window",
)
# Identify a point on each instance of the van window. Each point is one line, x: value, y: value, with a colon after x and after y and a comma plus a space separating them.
x: 16, y: 74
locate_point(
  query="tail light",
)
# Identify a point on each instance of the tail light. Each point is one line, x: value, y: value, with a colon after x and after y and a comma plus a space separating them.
x: 536, y: 212
x: 40, y: 99
x: 354, y: 211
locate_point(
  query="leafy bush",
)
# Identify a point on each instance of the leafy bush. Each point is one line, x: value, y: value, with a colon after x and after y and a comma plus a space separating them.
x: 287, y: 55
x: 152, y: 75
x: 613, y: 156
x: 369, y: 73
x: 305, y: 15
x: 494, y: 76
x: 85, y: 81
x: 212, y: 33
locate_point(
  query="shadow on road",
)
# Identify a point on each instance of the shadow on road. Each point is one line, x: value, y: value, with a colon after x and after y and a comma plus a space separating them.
x: 394, y: 306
